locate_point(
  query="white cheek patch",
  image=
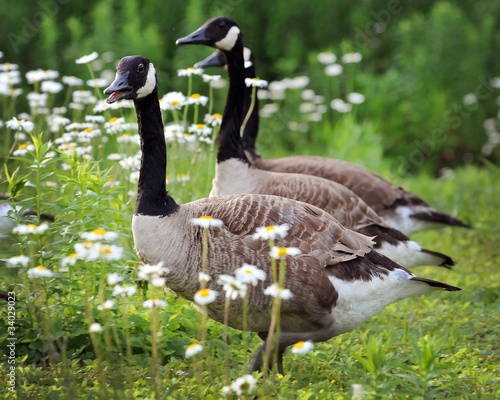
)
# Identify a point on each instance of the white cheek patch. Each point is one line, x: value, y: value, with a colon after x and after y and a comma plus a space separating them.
x: 230, y: 40
x: 150, y: 83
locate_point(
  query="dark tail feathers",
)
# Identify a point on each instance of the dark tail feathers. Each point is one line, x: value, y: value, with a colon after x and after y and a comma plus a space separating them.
x: 447, y: 261
x: 440, y: 218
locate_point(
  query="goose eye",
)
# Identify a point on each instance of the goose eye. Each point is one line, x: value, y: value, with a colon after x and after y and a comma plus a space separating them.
x: 140, y: 68
x: 221, y: 24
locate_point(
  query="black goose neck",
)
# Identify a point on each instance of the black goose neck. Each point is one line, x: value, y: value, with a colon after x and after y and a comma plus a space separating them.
x: 252, y: 127
x: 152, y: 196
x: 230, y: 145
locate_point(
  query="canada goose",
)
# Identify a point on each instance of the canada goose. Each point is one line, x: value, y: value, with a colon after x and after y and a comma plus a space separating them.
x: 235, y: 175
x: 337, y: 282
x: 6, y: 208
x: 399, y: 208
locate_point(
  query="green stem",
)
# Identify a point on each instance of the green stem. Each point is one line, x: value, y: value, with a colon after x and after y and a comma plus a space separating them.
x: 249, y: 112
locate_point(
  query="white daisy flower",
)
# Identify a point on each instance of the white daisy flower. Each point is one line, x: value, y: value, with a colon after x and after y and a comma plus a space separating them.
x: 205, y: 296
x: 256, y: 82
x: 307, y: 107
x: 88, y: 58
x: 22, y: 149
x: 99, y: 119
x: 110, y: 252
x: 326, y: 57
x: 68, y: 260
x: 213, y: 119
x: 193, y: 349
x: 39, y: 272
x: 172, y: 101
x: 340, y: 106
x: 302, y: 347
x: 333, y: 69
x: 271, y: 232
x: 203, y: 278
x: 132, y: 163
x: 18, y: 260
x: 37, y: 75
x: 250, y: 274
x: 99, y: 234
x: 211, y: 78
x: 31, y: 229
x: 355, y: 98
x: 51, y: 87
x: 244, y: 385
x: 279, y: 252
x: 83, y: 97
x: 122, y: 291
x: 149, y: 271
x: 232, y: 286
x: 200, y: 129
x: 206, y: 221
x: 72, y: 81
x: 190, y: 71
x: 158, y: 281
x: 96, y: 328
x: 8, y: 67
x: 469, y: 99
x: 97, y: 83
x: 350, y: 58
x: 107, y: 305
x: 154, y: 302
x: 198, y: 99
x: 20, y: 125
x: 276, y: 291
x: 113, y: 278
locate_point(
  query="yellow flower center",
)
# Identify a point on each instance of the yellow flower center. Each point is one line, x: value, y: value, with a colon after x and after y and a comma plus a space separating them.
x: 167, y: 177
x: 87, y: 244
x: 282, y: 252
x: 190, y: 69
x: 106, y: 250
x: 206, y: 217
x: 192, y: 346
x: 195, y: 96
x: 99, y: 231
x: 270, y: 228
x: 72, y: 255
x: 41, y: 268
x: 217, y: 116
x: 111, y: 180
x: 114, y: 119
x: 247, y: 271
x: 180, y: 176
x: 204, y: 292
x: 200, y: 126
x: 88, y: 130
x: 299, y: 345
x: 174, y: 103
x: 31, y: 226
x: 20, y: 123
x: 23, y: 146
x: 256, y: 79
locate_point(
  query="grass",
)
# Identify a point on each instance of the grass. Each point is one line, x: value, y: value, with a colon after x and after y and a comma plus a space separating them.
x: 443, y: 345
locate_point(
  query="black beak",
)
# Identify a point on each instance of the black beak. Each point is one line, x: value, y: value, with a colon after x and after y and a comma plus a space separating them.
x: 216, y: 59
x: 119, y: 89
x: 199, y: 36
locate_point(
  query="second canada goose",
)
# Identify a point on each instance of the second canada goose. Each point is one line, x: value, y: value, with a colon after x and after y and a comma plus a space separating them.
x: 7, y: 222
x: 337, y: 281
x: 235, y: 175
x: 400, y: 209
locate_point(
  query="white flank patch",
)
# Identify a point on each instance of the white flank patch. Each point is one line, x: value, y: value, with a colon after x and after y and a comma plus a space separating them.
x: 150, y: 83
x: 235, y: 177
x: 360, y: 300
x: 229, y: 40
x: 404, y: 253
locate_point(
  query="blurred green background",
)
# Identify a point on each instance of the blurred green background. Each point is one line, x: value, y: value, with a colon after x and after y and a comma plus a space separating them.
x: 420, y: 58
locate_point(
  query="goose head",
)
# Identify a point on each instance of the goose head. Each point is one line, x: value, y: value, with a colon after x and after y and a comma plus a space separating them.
x: 218, y: 59
x: 135, y: 79
x: 221, y: 32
